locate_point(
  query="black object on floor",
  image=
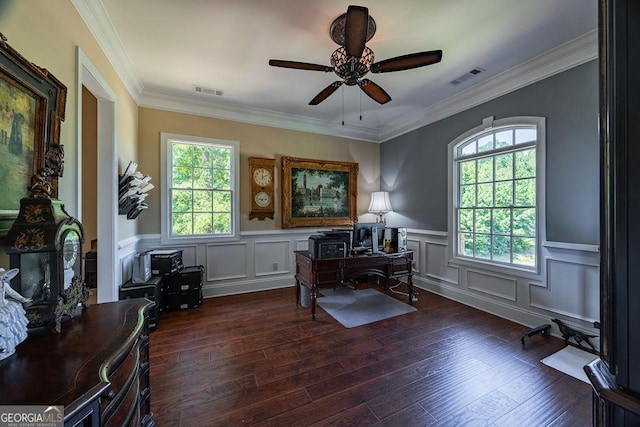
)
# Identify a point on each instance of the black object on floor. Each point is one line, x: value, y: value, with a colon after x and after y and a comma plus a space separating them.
x: 542, y: 330
x: 578, y: 337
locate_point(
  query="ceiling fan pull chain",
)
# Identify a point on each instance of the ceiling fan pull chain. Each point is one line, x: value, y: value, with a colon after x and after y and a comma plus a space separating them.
x: 343, y: 106
x: 360, y: 105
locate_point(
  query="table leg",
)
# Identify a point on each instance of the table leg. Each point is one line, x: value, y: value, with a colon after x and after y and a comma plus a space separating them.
x: 298, y: 291
x: 313, y: 301
x: 410, y: 286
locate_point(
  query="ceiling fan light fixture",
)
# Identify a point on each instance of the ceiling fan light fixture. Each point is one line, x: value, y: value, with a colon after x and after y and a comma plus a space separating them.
x: 353, y: 59
x: 351, y: 69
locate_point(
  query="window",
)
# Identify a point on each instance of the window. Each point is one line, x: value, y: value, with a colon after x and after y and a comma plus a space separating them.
x: 497, y: 192
x: 200, y: 191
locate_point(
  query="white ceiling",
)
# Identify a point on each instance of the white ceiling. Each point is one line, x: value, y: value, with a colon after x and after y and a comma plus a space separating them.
x: 162, y: 48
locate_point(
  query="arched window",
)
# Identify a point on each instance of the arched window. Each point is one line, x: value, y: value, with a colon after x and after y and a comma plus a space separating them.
x: 497, y: 177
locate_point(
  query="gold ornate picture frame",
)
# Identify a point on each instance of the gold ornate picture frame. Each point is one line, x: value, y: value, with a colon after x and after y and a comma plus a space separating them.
x: 32, y: 106
x: 318, y: 193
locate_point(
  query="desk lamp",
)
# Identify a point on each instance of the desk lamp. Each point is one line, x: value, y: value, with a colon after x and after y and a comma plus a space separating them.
x: 380, y: 204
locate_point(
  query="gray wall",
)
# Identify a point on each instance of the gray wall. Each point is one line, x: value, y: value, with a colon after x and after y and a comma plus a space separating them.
x: 414, y: 165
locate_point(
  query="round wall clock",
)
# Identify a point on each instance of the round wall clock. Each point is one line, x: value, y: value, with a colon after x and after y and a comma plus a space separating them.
x: 262, y: 176
x: 261, y: 172
x: 262, y: 199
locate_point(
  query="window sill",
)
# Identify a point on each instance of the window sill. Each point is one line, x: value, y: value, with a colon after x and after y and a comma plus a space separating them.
x: 193, y: 240
x: 528, y: 273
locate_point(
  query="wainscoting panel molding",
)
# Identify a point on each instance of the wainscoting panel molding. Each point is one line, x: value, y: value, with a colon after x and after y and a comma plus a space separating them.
x: 226, y: 261
x: 437, y: 262
x: 272, y: 257
x: 492, y: 284
x: 567, y: 288
x: 414, y: 245
x: 126, y: 253
x: 260, y: 260
x: 573, y: 290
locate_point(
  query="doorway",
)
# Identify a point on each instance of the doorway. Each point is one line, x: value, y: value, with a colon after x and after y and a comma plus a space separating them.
x: 107, y: 174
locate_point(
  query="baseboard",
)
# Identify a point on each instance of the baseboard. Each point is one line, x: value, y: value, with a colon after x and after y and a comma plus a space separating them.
x: 518, y: 315
x: 247, y: 286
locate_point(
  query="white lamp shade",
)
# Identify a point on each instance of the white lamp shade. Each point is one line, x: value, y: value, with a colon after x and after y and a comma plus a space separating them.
x: 380, y: 202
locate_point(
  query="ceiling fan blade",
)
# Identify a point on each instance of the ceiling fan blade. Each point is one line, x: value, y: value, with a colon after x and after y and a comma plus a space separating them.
x: 299, y: 65
x: 374, y: 91
x: 355, y: 30
x: 406, y: 62
x: 325, y: 93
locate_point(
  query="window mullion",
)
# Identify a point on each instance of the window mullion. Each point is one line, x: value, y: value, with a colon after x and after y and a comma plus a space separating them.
x: 493, y: 224
x: 193, y: 161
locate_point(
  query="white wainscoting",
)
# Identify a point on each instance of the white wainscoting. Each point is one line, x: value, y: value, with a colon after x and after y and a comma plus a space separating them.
x: 257, y: 261
x: 572, y: 290
x: 568, y: 288
x: 492, y: 284
x: 126, y: 251
x: 437, y: 265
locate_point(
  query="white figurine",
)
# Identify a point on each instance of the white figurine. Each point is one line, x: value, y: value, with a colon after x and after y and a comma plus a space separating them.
x: 13, y: 319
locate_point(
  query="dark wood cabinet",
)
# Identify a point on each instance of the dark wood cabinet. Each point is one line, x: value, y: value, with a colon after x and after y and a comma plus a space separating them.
x: 153, y: 290
x: 97, y: 367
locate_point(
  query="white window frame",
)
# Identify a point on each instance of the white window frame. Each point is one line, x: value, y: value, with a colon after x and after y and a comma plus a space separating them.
x: 166, y: 140
x: 489, y: 124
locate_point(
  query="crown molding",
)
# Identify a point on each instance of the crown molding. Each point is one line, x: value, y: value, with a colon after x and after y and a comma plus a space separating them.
x: 95, y: 16
x: 255, y: 116
x: 571, y: 54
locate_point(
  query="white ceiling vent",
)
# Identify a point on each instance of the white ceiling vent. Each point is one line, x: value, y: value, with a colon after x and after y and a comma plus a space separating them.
x: 207, y: 90
x: 466, y: 76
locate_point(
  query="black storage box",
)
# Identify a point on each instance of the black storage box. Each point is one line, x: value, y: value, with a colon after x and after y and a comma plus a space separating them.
x: 91, y: 269
x: 182, y: 300
x: 166, y: 261
x: 151, y: 290
x: 188, y: 279
x: 183, y: 289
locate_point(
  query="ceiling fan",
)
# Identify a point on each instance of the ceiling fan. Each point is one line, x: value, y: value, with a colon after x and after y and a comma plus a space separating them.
x: 353, y: 60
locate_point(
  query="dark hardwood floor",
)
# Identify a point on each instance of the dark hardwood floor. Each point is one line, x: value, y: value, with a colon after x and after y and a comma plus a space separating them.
x: 258, y: 359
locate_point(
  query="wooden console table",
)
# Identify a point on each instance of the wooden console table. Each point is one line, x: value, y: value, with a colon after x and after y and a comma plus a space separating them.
x: 330, y: 272
x: 97, y: 367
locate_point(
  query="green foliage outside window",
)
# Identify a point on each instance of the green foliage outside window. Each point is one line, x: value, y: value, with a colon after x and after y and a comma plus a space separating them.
x: 200, y: 189
x: 497, y: 198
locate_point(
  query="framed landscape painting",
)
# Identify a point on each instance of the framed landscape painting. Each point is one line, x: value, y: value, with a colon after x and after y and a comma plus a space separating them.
x: 32, y: 104
x: 318, y: 193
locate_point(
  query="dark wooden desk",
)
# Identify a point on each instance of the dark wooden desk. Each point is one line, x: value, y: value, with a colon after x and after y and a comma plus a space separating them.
x: 330, y: 272
x: 97, y: 367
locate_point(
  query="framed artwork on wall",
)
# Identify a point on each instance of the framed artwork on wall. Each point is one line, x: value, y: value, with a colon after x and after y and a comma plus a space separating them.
x: 318, y: 193
x: 32, y: 104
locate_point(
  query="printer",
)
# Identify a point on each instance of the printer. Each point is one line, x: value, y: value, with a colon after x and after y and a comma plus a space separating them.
x: 329, y: 244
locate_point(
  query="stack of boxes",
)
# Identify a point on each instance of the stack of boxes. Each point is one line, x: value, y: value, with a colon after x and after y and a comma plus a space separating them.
x: 152, y: 290
x: 183, y: 285
x: 184, y: 289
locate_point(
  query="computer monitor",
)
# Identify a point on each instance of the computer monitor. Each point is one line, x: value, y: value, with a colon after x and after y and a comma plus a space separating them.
x: 362, y: 234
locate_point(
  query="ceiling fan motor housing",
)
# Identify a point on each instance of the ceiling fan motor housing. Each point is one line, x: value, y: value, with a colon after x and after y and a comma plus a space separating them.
x: 351, y: 68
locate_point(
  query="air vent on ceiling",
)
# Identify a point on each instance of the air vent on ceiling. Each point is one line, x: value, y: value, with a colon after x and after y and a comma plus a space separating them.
x: 466, y: 76
x: 207, y: 90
